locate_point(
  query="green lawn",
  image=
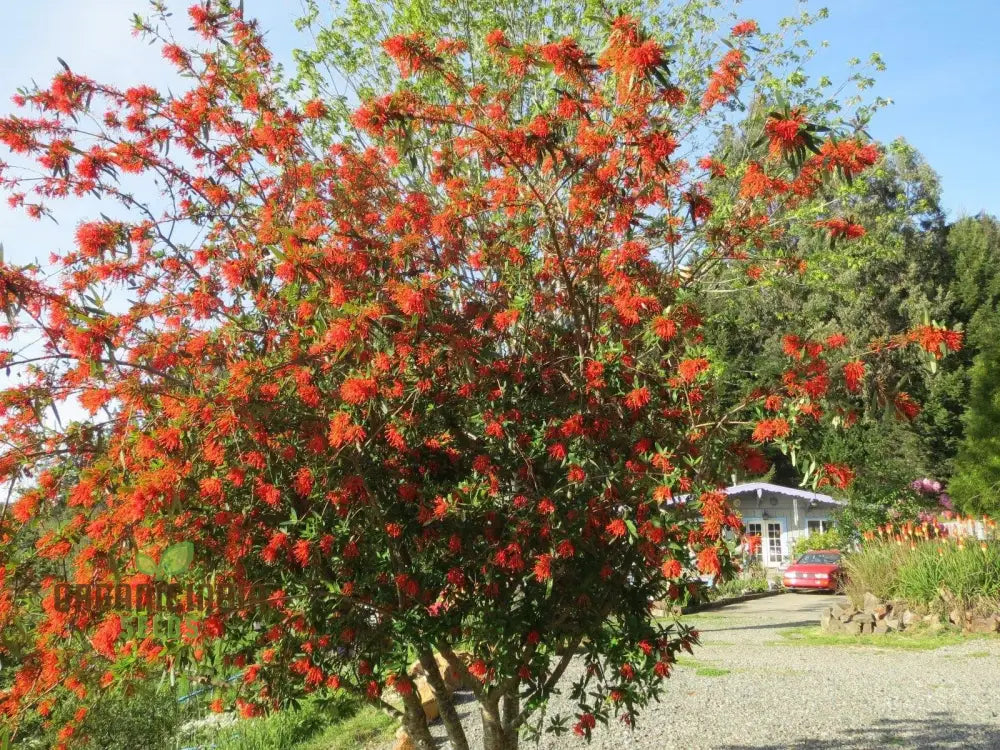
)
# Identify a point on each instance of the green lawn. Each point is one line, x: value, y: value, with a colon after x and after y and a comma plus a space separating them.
x: 340, y: 725
x: 912, y: 640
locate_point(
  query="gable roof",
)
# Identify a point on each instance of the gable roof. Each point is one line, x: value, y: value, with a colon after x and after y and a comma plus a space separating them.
x: 753, y: 487
x: 748, y: 487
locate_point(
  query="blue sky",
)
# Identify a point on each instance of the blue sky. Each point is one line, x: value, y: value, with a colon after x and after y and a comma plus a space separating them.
x: 943, y: 75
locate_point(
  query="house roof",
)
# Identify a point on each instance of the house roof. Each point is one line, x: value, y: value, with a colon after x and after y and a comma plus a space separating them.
x: 748, y: 487
x: 753, y: 487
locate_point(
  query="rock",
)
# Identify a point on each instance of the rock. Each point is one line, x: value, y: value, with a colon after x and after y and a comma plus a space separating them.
x: 881, y: 627
x: 451, y: 678
x: 848, y: 614
x: 826, y: 620
x: 865, y: 618
x: 427, y: 699
x: 956, y: 616
x: 867, y: 628
x: 908, y: 618
x: 837, y: 611
x: 870, y: 602
x: 854, y: 628
x: 892, y: 623
x: 983, y: 624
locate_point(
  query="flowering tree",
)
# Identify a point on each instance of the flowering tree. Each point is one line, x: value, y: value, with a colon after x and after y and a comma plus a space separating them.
x: 440, y: 387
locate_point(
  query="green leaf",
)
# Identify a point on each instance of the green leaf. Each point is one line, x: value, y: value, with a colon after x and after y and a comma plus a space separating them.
x: 176, y: 558
x: 146, y: 564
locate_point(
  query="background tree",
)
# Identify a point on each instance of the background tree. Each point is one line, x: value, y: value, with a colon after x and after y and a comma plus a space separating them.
x: 975, y: 243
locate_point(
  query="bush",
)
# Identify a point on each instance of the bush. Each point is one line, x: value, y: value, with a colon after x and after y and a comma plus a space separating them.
x: 752, y: 579
x: 934, y: 575
x: 830, y: 539
x: 145, y: 717
x: 331, y: 723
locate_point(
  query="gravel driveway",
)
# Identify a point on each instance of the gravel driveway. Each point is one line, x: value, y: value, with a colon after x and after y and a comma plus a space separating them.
x: 747, y: 687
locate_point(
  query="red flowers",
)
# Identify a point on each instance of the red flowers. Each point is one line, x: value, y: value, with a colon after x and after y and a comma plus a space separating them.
x: 358, y: 390
x: 689, y: 369
x: 854, y: 373
x: 664, y: 327
x: 543, y: 568
x: 936, y: 340
x: 838, y: 475
x: 840, y: 228
x: 637, y: 398
x: 708, y: 561
x: 106, y: 635
x: 585, y: 724
x: 785, y: 133
x: 745, y: 28
x: 725, y: 80
x: 410, y: 52
x: 771, y: 429
x: 617, y: 528
x: 468, y: 363
x: 96, y: 238
x: 906, y: 407
x: 671, y: 568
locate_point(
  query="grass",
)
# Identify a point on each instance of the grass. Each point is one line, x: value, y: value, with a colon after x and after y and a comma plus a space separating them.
x: 935, y: 574
x: 909, y: 640
x: 707, y: 617
x: 711, y: 672
x: 367, y: 728
x: 701, y: 669
x: 342, y: 724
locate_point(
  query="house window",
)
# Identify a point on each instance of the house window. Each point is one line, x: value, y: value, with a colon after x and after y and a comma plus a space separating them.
x: 819, y: 526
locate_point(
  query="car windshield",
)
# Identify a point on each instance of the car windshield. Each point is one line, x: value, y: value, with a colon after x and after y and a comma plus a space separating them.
x: 819, y: 558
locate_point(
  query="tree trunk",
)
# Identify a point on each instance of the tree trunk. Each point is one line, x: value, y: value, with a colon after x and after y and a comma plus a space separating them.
x: 511, y: 710
x: 415, y: 722
x: 495, y: 736
x: 449, y: 716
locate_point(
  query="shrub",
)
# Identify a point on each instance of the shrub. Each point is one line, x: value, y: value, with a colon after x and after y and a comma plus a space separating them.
x: 934, y: 574
x: 829, y: 539
x: 753, y: 578
x: 341, y: 722
x: 433, y: 385
x: 143, y: 717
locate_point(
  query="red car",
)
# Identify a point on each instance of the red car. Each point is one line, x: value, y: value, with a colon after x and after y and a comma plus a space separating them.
x: 816, y: 570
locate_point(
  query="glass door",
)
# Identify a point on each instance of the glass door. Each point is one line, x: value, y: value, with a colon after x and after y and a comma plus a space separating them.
x: 775, y: 542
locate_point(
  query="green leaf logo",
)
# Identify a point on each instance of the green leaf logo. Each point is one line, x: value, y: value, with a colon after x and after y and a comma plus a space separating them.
x: 146, y: 564
x: 174, y: 560
x: 177, y: 558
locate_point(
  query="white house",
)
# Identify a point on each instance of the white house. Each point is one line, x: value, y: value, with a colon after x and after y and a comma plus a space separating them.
x: 781, y: 515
